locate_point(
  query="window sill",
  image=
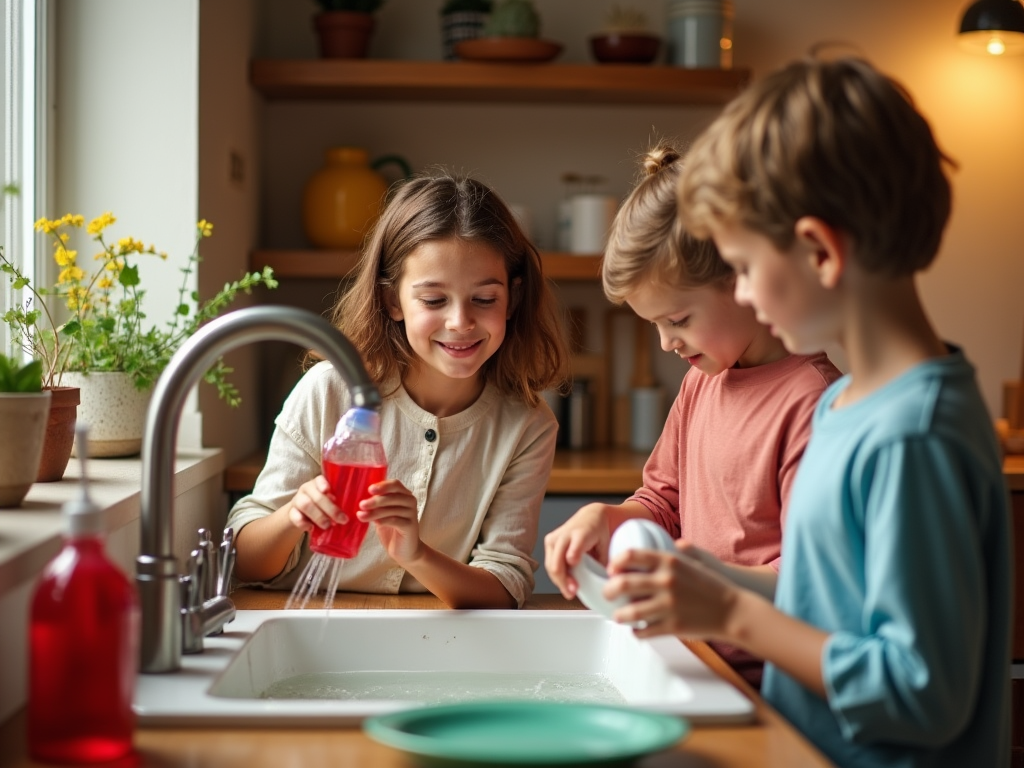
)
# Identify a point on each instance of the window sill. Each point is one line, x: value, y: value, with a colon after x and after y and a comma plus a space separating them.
x: 30, y: 535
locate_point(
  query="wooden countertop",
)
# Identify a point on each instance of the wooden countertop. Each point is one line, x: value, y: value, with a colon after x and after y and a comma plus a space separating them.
x: 769, y: 742
x: 1013, y: 471
x: 600, y: 471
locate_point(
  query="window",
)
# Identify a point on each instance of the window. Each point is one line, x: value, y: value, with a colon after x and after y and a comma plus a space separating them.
x: 23, y: 136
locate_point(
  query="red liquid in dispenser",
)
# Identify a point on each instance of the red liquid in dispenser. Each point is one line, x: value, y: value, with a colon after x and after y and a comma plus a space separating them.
x: 349, y: 484
x: 83, y: 637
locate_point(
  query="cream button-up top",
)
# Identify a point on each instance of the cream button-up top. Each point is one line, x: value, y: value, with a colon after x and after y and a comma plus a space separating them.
x: 478, y: 477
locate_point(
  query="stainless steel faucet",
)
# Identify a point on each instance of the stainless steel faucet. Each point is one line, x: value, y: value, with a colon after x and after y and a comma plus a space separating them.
x: 156, y: 566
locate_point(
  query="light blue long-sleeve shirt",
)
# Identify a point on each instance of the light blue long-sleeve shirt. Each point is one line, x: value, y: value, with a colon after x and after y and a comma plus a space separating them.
x: 898, y: 545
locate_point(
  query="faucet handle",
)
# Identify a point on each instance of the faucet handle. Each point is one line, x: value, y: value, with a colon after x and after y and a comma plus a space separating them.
x: 209, y: 576
x: 227, y: 562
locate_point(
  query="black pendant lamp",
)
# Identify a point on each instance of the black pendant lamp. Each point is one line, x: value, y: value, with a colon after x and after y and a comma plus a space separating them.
x: 994, y: 27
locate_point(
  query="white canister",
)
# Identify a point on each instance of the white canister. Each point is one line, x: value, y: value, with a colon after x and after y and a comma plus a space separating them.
x: 523, y: 216
x: 700, y: 33
x: 647, y: 417
x: 591, y: 219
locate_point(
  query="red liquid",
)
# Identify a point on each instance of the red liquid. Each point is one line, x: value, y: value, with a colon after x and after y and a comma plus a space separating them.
x: 350, y: 485
x: 83, y: 656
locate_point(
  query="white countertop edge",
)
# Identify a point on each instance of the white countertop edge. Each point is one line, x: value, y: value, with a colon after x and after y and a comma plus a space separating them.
x: 30, y: 535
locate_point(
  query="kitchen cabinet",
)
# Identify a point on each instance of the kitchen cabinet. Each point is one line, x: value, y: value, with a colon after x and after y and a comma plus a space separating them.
x: 1013, y: 471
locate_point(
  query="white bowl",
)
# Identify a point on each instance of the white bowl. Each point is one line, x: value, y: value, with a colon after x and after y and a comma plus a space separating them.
x: 591, y: 577
x: 639, y: 534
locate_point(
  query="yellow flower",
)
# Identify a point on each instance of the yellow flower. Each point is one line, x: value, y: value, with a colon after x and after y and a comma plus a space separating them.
x: 47, y: 226
x: 64, y: 257
x: 70, y: 274
x: 205, y: 228
x: 113, y: 265
x: 97, y: 225
x: 77, y: 297
x: 104, y: 282
x: 64, y: 237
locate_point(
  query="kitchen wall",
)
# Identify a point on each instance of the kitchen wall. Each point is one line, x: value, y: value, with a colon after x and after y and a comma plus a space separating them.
x: 973, y: 292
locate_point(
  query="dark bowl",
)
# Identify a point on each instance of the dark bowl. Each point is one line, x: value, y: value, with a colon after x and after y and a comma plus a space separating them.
x: 614, y: 48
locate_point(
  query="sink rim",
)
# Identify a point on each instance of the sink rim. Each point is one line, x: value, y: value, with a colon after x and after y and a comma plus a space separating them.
x: 183, y: 699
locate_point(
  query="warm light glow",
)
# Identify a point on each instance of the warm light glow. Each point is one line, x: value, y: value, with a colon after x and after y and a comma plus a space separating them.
x: 996, y: 47
x: 726, y: 43
x: 992, y: 43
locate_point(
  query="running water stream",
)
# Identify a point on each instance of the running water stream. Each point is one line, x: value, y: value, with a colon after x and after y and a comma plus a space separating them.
x: 312, y: 577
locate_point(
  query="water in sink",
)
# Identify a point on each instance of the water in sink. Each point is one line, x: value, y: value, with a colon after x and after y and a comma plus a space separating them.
x: 447, y: 687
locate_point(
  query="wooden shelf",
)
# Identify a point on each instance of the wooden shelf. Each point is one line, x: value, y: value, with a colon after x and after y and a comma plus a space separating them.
x: 338, y: 264
x: 431, y: 81
x: 611, y: 470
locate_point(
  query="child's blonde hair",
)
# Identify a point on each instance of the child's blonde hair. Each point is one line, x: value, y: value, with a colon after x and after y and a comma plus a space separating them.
x: 441, y: 206
x: 836, y: 140
x: 647, y: 240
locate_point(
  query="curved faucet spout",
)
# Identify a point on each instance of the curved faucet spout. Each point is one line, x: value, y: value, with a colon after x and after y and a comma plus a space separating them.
x: 157, y: 568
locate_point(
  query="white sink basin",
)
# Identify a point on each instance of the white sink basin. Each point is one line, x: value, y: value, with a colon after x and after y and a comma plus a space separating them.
x: 227, y: 684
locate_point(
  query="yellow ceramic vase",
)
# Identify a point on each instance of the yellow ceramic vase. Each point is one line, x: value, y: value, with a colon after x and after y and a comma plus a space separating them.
x: 343, y: 199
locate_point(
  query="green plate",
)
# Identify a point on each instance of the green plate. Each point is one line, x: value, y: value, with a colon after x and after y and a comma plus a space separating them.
x: 526, y: 733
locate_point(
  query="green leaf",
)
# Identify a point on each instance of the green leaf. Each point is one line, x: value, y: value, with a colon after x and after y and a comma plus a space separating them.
x: 129, y: 277
x: 27, y: 378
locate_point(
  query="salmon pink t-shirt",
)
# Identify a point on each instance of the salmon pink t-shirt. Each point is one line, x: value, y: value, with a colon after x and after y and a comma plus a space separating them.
x: 721, y: 472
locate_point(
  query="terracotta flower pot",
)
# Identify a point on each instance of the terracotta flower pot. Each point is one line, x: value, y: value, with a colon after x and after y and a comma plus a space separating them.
x: 343, y: 34
x: 23, y: 423
x: 60, y: 433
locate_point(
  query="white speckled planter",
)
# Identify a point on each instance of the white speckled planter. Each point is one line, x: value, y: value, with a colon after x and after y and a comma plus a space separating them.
x: 114, y: 410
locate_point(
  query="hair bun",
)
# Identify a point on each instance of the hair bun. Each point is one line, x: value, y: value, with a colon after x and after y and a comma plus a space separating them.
x: 661, y: 156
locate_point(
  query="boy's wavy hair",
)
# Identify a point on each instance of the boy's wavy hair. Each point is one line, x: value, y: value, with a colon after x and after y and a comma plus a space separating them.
x: 442, y: 206
x: 647, y: 241
x: 836, y: 140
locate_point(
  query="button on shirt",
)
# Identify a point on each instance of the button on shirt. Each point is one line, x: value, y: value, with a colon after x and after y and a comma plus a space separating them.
x: 478, y: 477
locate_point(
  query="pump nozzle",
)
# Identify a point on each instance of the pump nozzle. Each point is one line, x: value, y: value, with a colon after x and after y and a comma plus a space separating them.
x: 82, y: 516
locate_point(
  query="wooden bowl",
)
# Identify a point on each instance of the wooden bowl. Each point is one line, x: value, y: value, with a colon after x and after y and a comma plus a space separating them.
x: 614, y: 48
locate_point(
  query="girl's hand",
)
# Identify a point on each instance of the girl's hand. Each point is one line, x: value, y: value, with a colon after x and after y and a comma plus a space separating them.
x: 671, y: 594
x: 313, y: 506
x: 392, y: 509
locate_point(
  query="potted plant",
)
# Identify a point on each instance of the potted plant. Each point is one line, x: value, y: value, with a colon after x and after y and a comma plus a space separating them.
x: 344, y: 27
x: 462, y: 20
x: 23, y: 409
x: 104, y: 347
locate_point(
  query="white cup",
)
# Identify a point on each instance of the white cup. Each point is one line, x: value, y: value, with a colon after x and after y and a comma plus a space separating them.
x: 591, y: 217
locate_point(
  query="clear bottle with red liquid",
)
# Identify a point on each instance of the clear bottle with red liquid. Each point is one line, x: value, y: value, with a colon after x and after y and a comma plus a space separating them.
x: 83, y: 646
x: 353, y: 460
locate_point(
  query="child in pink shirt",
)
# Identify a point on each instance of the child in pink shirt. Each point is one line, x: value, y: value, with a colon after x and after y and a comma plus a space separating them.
x: 721, y: 472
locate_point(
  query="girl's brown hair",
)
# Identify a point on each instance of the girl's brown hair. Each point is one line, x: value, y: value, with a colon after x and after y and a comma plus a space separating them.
x: 647, y: 240
x: 441, y: 206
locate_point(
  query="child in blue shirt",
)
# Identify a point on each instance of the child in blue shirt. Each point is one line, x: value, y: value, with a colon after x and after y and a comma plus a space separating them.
x: 888, y: 642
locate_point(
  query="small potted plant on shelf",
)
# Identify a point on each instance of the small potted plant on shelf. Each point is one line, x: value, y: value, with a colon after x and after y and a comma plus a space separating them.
x: 104, y: 348
x: 344, y: 27
x: 462, y: 20
x: 24, y: 405
x: 511, y: 33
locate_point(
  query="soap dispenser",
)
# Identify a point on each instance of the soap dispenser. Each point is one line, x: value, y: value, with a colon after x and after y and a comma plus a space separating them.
x: 83, y: 644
